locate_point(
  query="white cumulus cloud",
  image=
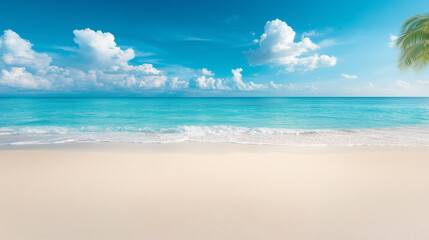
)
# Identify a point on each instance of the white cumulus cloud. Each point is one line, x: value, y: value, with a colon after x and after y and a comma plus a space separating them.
x: 205, y: 82
x: 18, y: 77
x: 100, y: 48
x: 206, y: 72
x: 108, y: 66
x: 104, y: 67
x: 277, y: 46
x: 15, y: 51
x: 230, y: 83
x: 112, y: 63
x: 175, y: 83
x: 393, y: 39
x: 238, y: 83
x: 21, y: 66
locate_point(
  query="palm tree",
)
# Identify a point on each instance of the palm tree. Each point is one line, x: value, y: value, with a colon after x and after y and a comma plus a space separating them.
x: 414, y: 43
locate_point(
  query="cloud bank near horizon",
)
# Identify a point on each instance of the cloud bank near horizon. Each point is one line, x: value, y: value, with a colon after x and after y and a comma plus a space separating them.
x: 106, y: 67
x: 102, y: 66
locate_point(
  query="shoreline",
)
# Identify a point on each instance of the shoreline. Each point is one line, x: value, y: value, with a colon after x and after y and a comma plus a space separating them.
x: 222, y: 134
x: 194, y: 147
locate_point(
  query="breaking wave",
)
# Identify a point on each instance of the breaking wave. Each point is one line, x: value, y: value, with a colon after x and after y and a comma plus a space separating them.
x: 398, y: 136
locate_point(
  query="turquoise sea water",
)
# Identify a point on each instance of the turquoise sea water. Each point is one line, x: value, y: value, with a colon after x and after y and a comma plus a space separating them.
x: 278, y: 121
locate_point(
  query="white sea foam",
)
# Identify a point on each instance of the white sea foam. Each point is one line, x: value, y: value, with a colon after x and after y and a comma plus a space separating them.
x: 400, y: 136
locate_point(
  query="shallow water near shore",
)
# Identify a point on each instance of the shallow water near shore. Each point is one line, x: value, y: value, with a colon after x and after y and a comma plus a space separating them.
x: 271, y: 121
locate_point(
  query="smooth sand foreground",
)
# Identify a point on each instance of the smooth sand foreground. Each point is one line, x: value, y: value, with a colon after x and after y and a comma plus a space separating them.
x: 369, y: 193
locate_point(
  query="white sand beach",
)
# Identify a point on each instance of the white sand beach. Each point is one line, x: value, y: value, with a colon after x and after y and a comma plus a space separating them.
x: 213, y: 191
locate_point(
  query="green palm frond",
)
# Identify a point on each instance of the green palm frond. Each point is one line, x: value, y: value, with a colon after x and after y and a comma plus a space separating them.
x: 414, y: 22
x: 411, y: 38
x: 414, y: 43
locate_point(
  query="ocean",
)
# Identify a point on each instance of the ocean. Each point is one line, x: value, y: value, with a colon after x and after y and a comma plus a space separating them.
x: 311, y: 121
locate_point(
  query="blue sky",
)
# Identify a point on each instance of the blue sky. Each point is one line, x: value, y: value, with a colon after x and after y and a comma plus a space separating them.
x: 205, y: 48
